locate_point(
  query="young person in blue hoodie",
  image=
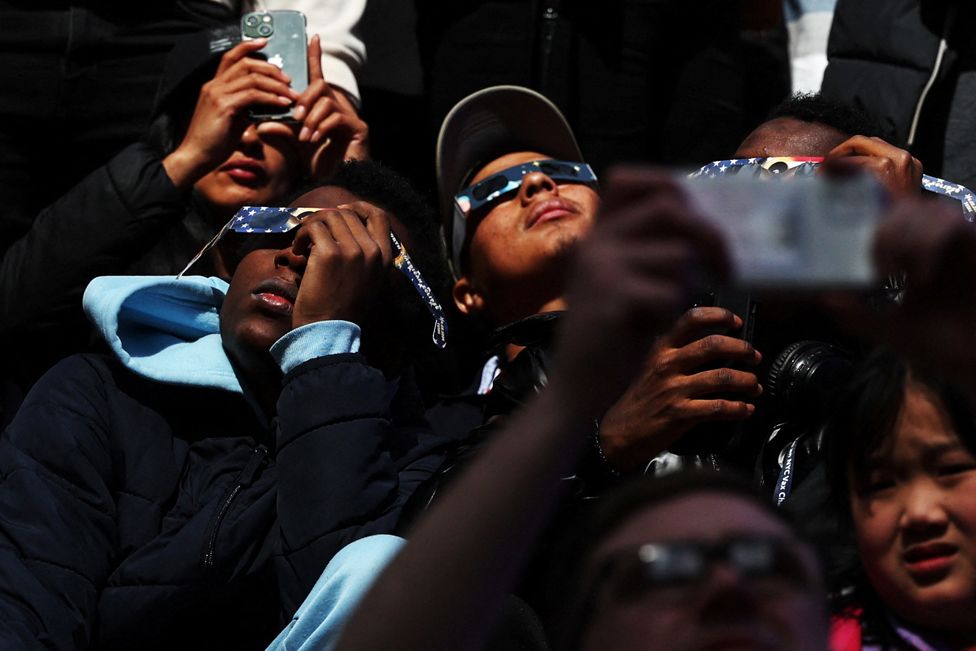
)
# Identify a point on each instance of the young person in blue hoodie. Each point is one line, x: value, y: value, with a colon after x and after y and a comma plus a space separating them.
x: 187, y: 491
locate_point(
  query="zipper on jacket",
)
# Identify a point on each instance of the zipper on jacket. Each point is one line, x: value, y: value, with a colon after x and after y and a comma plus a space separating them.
x: 244, y: 479
x: 937, y: 68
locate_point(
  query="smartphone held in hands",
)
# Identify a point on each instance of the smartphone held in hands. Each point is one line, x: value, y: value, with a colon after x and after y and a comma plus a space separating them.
x: 809, y: 233
x: 287, y: 48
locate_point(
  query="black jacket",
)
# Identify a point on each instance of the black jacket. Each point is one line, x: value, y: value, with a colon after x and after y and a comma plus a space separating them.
x: 125, y: 217
x: 137, y: 515
x: 885, y: 58
x: 638, y: 80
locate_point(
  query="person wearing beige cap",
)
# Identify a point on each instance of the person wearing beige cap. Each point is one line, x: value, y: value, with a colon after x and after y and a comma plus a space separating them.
x: 516, y: 197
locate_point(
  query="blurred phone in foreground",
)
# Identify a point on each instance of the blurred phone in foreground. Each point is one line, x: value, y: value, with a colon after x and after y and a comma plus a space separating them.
x: 804, y: 233
x: 287, y: 48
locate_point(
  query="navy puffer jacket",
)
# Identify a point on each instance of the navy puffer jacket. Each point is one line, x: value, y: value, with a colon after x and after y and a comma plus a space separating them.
x: 138, y: 515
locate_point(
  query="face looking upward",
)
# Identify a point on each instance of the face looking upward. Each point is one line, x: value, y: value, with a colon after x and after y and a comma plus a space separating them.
x: 258, y: 306
x: 915, y: 517
x: 264, y: 167
x: 725, y: 608
x: 517, y: 251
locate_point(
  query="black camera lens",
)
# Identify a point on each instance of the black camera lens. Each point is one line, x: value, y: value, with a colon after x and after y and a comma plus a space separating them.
x: 265, y: 30
x: 251, y: 20
x: 805, y: 373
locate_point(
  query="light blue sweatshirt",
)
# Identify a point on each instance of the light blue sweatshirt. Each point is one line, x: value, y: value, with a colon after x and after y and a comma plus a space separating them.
x: 168, y: 330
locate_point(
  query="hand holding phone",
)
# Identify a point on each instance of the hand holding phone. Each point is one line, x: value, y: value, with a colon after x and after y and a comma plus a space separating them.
x: 698, y: 372
x: 221, y: 114
x: 331, y: 129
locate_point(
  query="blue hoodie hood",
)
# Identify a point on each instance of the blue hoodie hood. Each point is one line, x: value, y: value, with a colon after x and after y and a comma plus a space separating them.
x: 164, y: 329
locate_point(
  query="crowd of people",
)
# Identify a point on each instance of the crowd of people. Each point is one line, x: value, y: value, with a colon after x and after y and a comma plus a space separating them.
x: 260, y: 390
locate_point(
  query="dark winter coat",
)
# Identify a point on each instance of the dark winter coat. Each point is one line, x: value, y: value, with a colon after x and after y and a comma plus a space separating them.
x: 888, y: 57
x: 136, y: 515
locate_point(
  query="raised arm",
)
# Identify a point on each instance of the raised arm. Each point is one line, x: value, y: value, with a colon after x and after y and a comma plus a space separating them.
x: 349, y: 441
x: 934, y: 248
x: 122, y: 209
x: 634, y: 274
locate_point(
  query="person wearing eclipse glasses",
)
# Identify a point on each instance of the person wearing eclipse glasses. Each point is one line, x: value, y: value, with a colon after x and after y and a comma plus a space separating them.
x: 187, y: 489
x: 146, y: 210
x: 446, y: 586
x: 517, y: 197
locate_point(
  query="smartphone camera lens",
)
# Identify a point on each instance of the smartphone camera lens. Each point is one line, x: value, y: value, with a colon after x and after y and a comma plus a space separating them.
x: 252, y: 21
x: 265, y: 30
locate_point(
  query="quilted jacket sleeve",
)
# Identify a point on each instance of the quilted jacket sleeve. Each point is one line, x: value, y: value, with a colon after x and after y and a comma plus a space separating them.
x: 98, y: 227
x: 57, y: 524
x: 348, y: 456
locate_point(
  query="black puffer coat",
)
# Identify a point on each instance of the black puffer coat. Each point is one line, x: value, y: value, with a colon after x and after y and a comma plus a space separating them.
x: 890, y: 57
x: 136, y: 515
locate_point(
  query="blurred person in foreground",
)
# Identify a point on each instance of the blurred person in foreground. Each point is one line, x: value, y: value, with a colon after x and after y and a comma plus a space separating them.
x: 517, y: 197
x: 641, y: 263
x: 645, y: 256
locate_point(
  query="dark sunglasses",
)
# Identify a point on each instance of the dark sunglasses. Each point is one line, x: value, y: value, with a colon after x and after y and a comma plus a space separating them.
x: 270, y: 227
x: 673, y: 570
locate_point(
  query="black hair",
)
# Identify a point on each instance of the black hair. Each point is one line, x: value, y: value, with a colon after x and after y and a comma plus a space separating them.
x: 863, y: 420
x: 407, y: 317
x: 193, y: 61
x: 572, y: 566
x: 814, y: 107
x: 866, y: 410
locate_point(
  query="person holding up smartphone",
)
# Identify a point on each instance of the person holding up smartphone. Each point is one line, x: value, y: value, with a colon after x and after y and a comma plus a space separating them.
x: 233, y: 161
x: 155, y: 204
x: 225, y: 477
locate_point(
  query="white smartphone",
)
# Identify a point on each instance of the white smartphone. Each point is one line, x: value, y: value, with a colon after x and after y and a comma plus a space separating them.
x: 802, y: 233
